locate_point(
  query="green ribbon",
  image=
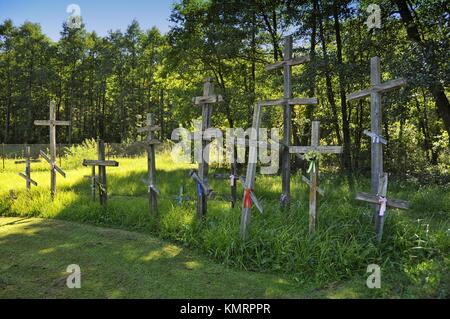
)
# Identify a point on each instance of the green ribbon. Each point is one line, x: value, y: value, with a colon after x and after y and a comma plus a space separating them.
x: 312, y: 166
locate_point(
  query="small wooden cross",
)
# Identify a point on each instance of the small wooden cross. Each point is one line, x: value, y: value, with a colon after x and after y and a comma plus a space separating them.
x: 206, y: 101
x: 150, y: 145
x: 181, y: 197
x: 382, y: 202
x: 314, y: 169
x: 52, y: 123
x: 27, y: 162
x: 288, y: 62
x: 376, y: 117
x: 102, y: 164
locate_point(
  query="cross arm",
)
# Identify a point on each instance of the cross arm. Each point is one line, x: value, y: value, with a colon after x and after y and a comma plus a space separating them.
x: 383, y: 87
x: 47, y: 123
x: 199, y: 100
x: 28, y: 179
x: 293, y: 101
x: 100, y: 163
x: 292, y: 62
x: 59, y: 170
x: 307, y: 181
x: 320, y: 149
x: 149, y: 129
x: 396, y: 203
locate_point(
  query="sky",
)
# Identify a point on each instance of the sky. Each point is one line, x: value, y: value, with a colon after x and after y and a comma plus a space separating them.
x: 98, y: 15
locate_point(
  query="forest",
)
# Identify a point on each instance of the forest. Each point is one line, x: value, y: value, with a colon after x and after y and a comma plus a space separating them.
x: 106, y: 85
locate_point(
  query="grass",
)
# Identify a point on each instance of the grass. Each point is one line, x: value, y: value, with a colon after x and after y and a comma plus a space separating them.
x: 414, y: 254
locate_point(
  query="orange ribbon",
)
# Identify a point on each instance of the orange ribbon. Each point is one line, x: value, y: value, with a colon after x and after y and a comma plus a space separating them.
x: 247, y: 198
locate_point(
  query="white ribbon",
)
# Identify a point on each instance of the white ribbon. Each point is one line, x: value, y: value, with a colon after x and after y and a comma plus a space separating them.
x: 232, y: 180
x: 383, y: 202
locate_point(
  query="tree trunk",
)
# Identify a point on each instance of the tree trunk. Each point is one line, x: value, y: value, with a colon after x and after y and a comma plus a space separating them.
x: 436, y: 88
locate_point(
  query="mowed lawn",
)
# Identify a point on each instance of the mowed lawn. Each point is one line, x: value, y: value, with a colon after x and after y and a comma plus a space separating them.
x: 121, y: 264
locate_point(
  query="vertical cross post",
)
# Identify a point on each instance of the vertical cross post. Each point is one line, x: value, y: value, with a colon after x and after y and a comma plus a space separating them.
x: 150, y: 145
x: 376, y: 118
x: 103, y: 193
x: 101, y: 180
x: 52, y: 123
x: 313, y: 151
x: 382, y: 202
x: 206, y: 101
x: 27, y: 162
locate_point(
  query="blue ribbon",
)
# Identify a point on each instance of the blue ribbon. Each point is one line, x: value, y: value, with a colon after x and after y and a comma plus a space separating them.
x: 199, y: 189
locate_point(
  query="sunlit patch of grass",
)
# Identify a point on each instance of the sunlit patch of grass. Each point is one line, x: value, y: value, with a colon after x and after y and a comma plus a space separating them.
x: 278, y: 241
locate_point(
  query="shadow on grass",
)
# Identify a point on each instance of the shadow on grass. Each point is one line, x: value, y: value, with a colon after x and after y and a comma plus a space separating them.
x: 116, y: 264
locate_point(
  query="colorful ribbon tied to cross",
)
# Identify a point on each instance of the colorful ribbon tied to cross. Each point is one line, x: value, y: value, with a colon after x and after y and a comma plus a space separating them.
x: 199, y: 189
x: 383, y: 202
x: 312, y: 166
x: 247, y: 198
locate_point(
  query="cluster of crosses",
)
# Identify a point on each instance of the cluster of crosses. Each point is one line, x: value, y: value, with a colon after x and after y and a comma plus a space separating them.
x: 379, y: 179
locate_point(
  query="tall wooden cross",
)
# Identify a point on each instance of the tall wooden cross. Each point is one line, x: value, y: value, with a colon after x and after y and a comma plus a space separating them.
x: 314, y: 149
x: 102, y: 164
x: 382, y: 202
x: 150, y: 144
x: 52, y: 123
x: 27, y: 162
x: 287, y: 102
x: 376, y: 117
x: 206, y: 101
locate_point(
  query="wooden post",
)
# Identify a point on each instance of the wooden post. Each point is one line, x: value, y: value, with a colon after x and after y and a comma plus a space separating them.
x: 27, y: 162
x: 52, y: 123
x: 382, y: 202
x: 102, y: 163
x: 314, y: 170
x: 206, y: 101
x: 287, y: 103
x: 251, y: 172
x: 103, y: 192
x: 150, y: 145
x: 376, y: 118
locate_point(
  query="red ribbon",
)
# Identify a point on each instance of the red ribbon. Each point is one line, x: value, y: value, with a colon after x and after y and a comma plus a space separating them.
x: 247, y: 199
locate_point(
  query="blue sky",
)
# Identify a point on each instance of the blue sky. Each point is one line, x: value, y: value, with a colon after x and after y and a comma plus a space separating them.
x: 98, y: 15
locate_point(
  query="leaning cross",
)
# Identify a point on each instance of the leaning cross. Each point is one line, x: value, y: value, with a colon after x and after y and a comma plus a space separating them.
x: 206, y: 101
x: 382, y: 202
x: 150, y: 144
x: 52, y: 123
x: 314, y: 169
x: 287, y: 64
x: 102, y: 164
x: 27, y: 162
x: 376, y: 117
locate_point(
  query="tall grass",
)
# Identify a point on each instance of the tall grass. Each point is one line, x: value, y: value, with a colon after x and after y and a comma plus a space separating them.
x: 342, y: 247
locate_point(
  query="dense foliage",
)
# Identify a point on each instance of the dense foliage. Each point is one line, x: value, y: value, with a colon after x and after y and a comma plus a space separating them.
x: 105, y: 85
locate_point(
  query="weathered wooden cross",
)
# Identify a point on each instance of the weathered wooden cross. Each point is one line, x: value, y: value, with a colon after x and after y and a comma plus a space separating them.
x: 27, y: 162
x: 206, y: 101
x: 52, y: 123
x: 382, y: 202
x: 287, y: 102
x: 315, y: 149
x: 376, y: 118
x: 102, y: 164
x: 150, y: 145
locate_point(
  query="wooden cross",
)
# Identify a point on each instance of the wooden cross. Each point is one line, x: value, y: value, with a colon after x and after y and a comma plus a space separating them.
x: 376, y: 118
x: 52, y: 123
x: 314, y: 169
x: 27, y: 162
x: 288, y: 62
x: 206, y: 101
x: 102, y: 164
x: 181, y: 197
x: 150, y: 145
x: 233, y: 178
x: 249, y: 196
x: 382, y: 202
